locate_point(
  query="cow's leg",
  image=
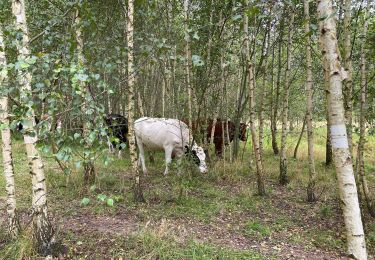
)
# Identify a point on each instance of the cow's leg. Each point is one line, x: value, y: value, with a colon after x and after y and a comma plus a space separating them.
x: 141, y: 159
x: 119, y: 155
x: 218, y: 148
x: 168, y: 157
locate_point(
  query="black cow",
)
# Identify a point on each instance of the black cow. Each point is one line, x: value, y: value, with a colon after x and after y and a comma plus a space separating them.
x: 118, y: 131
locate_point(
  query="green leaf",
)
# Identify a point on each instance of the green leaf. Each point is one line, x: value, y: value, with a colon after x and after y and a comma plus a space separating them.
x: 236, y: 17
x: 110, y: 202
x: 197, y: 61
x: 102, y: 197
x: 195, y: 36
x: 82, y: 77
x: 85, y: 201
x: 78, y: 164
x: 31, y: 60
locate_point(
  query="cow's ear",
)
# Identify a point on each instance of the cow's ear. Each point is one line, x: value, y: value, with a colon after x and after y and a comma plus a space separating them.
x: 186, y: 149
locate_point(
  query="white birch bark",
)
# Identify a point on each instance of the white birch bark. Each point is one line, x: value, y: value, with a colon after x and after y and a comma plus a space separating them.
x: 341, y: 153
x: 138, y: 195
x: 13, y: 220
x: 43, y: 231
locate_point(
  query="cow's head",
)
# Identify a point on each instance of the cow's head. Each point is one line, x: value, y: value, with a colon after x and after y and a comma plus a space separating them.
x: 197, y: 154
x: 242, y: 134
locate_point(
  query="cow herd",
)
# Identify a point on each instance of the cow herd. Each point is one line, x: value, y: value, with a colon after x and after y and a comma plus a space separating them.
x: 171, y: 136
x: 161, y: 134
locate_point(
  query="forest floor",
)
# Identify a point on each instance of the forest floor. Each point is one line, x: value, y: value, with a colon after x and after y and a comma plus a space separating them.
x: 212, y: 216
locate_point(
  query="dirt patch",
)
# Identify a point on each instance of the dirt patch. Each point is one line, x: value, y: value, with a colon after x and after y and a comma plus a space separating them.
x: 87, y: 223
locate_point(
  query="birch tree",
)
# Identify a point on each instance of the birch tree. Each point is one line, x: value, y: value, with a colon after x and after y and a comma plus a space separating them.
x: 341, y: 153
x: 88, y: 166
x: 259, y: 165
x: 13, y: 220
x: 187, y: 63
x: 138, y: 195
x: 43, y: 231
x: 310, y: 137
x: 283, y: 177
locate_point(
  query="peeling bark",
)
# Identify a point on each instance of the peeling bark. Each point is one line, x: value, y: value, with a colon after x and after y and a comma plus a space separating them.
x: 43, y: 231
x: 13, y: 219
x: 342, y: 158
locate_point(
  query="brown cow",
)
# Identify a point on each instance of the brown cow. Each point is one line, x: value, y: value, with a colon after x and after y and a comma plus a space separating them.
x: 218, y: 134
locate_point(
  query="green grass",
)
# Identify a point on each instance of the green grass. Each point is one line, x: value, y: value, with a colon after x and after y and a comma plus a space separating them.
x: 223, y: 201
x: 256, y: 228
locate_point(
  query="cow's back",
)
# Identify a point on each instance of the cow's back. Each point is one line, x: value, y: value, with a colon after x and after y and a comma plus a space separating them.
x: 156, y: 133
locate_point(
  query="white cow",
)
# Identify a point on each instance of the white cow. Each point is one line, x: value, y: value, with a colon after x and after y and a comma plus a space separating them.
x: 170, y: 135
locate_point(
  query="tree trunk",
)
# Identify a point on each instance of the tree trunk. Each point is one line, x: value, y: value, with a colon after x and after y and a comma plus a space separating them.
x: 272, y: 119
x: 43, y: 231
x: 340, y: 146
x: 283, y: 177
x: 360, y: 164
x: 13, y: 220
x: 138, y: 194
x: 263, y: 91
x: 187, y: 64
x: 299, y: 138
x: 259, y: 165
x: 309, y: 92
x: 278, y: 82
x: 88, y: 165
x: 348, y: 82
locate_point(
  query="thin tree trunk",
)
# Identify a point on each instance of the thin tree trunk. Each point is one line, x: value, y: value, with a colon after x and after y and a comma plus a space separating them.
x: 360, y: 164
x: 263, y: 91
x: 43, y: 231
x: 283, y: 177
x: 257, y: 153
x: 278, y: 82
x: 138, y: 194
x: 300, y: 138
x: 88, y: 165
x: 342, y: 158
x: 348, y: 82
x: 163, y: 93
x: 187, y: 63
x: 309, y: 92
x: 13, y: 219
x: 140, y: 105
x: 272, y: 119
